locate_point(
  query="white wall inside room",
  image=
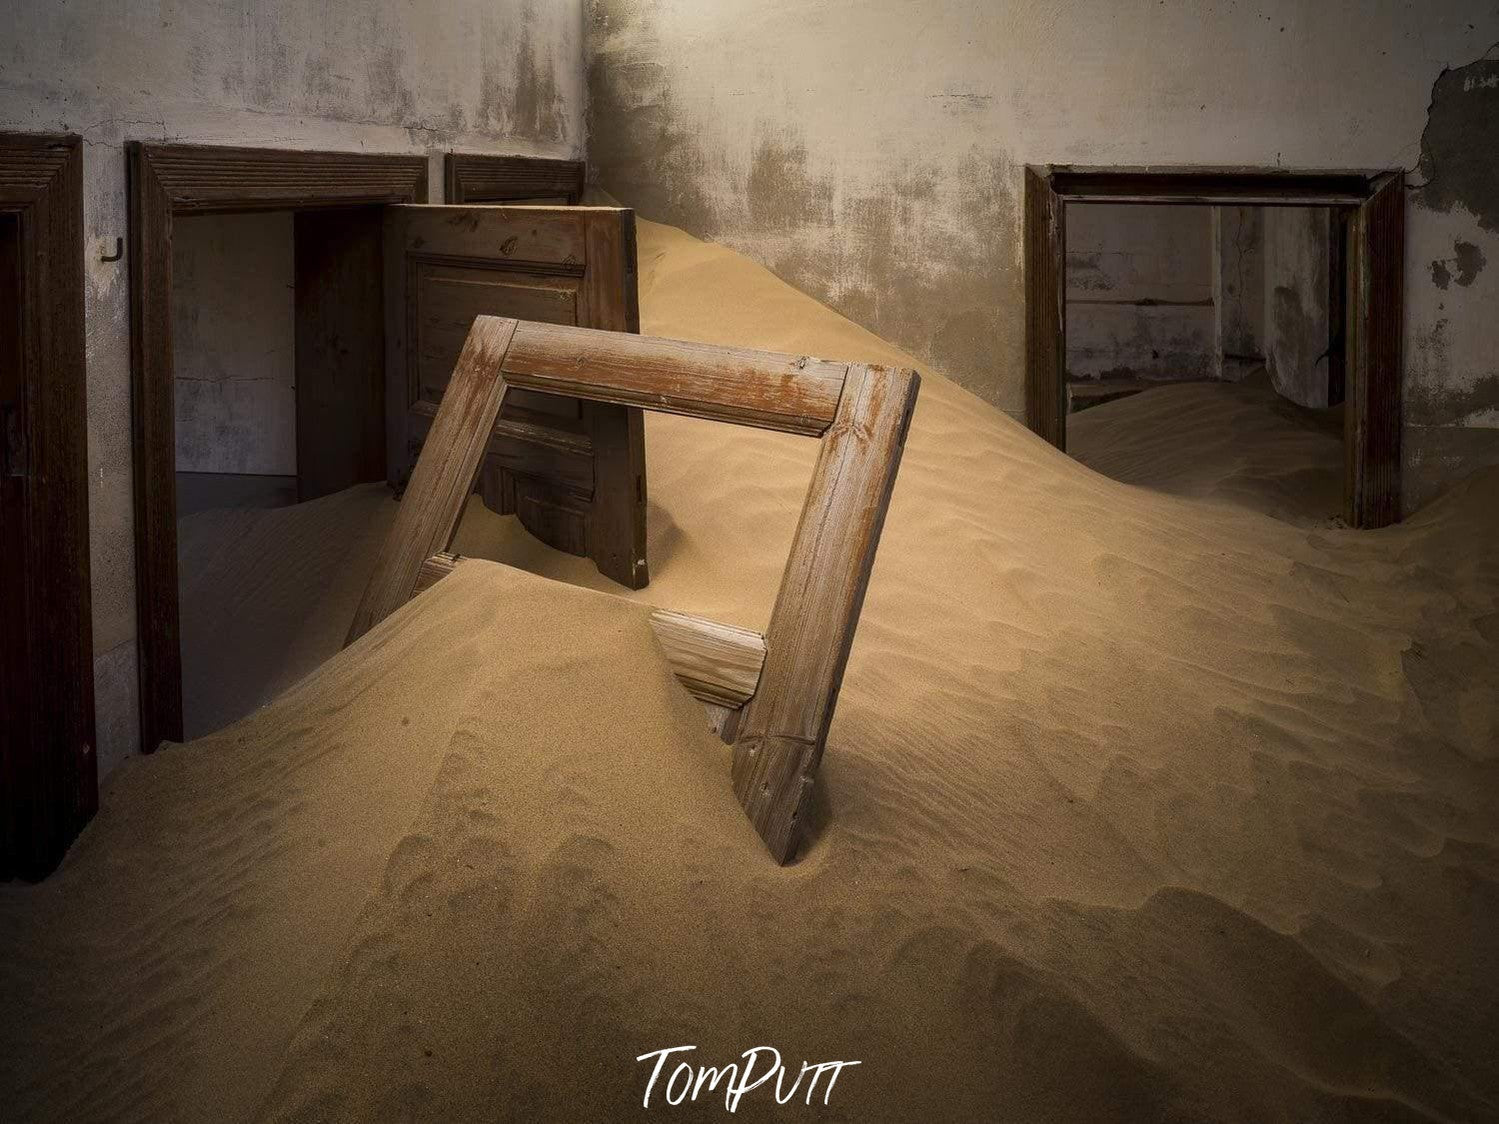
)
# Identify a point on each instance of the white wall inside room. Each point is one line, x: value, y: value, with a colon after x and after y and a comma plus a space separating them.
x: 1139, y: 291
x: 233, y: 344
x: 357, y: 75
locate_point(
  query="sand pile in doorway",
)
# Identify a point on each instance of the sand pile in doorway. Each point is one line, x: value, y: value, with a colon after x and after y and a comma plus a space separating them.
x: 1136, y: 806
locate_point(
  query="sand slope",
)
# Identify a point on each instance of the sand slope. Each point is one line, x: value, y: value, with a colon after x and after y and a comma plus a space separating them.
x: 1137, y: 805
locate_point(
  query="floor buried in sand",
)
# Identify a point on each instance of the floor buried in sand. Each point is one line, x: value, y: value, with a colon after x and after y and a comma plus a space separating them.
x: 1140, y: 782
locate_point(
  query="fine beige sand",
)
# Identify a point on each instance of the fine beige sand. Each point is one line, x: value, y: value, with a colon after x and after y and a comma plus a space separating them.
x: 1146, y: 800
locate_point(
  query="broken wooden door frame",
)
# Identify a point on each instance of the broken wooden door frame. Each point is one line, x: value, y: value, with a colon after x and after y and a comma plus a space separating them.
x: 48, y: 763
x: 859, y: 412
x: 1375, y: 288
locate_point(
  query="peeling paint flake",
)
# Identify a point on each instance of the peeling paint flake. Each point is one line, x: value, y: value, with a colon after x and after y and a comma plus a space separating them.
x: 1461, y: 139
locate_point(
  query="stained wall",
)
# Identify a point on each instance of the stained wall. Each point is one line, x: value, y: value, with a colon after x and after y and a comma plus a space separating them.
x: 871, y: 152
x: 375, y: 75
x: 234, y: 344
x: 1297, y: 306
x: 1140, y: 291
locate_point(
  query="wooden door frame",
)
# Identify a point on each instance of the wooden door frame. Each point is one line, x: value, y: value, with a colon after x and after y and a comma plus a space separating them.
x: 471, y: 177
x: 167, y: 180
x: 48, y: 763
x: 1375, y: 289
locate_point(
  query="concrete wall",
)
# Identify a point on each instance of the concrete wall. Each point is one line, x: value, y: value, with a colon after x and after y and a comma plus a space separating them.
x: 1297, y: 289
x: 1239, y: 290
x: 1139, y: 291
x: 234, y: 344
x: 871, y: 151
x: 377, y: 75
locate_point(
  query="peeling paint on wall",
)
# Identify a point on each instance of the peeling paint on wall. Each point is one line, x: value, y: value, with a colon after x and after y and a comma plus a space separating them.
x: 1452, y: 355
x: 1461, y: 138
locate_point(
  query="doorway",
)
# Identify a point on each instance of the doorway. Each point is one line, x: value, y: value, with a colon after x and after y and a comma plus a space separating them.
x: 1366, y: 254
x: 48, y: 770
x: 381, y: 290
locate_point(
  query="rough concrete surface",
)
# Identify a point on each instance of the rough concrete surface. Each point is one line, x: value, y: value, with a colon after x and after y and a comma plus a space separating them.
x: 234, y: 344
x: 1139, y: 291
x: 1298, y: 331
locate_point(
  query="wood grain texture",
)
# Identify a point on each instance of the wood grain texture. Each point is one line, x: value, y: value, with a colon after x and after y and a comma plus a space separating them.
x: 573, y: 472
x: 610, y: 301
x: 767, y: 390
x: 167, y: 180
x: 205, y: 178
x: 718, y: 663
x: 1045, y: 306
x: 340, y: 350
x: 483, y: 178
x: 153, y: 436
x: 784, y: 728
x: 1371, y: 417
x: 444, y: 474
x: 778, y: 740
x: 433, y: 569
x: 48, y: 765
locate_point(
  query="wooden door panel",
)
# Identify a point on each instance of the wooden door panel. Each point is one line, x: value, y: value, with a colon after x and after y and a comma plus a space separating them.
x: 448, y: 298
x: 571, y: 266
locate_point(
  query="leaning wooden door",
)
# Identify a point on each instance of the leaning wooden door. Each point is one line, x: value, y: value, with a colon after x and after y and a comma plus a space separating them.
x: 573, y: 472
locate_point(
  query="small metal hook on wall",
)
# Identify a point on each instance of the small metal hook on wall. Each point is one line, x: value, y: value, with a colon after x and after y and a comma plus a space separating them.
x: 118, y: 254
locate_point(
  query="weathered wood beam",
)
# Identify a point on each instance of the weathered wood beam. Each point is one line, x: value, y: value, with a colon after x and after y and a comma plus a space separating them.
x: 783, y: 729
x: 790, y: 393
x: 861, y: 412
x: 434, y: 569
x: 444, y: 474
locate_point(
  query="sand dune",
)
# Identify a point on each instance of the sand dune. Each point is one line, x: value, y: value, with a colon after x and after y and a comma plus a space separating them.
x: 1235, y: 443
x: 1143, y: 801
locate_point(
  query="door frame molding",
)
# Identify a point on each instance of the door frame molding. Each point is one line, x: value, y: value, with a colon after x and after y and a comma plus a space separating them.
x: 471, y: 177
x: 48, y: 763
x: 1375, y: 288
x: 166, y: 180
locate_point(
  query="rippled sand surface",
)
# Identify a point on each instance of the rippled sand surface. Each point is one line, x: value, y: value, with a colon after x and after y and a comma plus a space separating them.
x: 1150, y: 798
